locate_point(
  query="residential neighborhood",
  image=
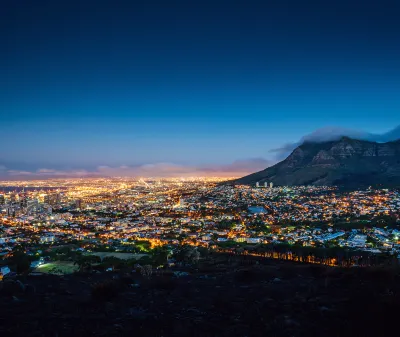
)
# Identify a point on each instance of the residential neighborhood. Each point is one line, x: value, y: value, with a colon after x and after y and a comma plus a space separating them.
x: 118, y: 214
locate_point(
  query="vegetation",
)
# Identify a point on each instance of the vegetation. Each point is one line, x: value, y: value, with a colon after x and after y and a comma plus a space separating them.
x: 227, y: 294
x: 19, y: 261
x: 333, y: 256
x: 121, y: 256
x: 57, y: 268
x: 105, y: 290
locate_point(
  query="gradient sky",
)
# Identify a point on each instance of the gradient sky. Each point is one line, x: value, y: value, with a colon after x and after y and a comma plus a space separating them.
x: 196, y: 84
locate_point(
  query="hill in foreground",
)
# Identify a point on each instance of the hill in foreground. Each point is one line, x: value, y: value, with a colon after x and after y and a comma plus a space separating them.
x: 224, y: 296
x: 346, y: 162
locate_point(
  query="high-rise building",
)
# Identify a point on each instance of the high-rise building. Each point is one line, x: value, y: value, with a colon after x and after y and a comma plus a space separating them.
x: 23, y: 200
x: 2, y: 199
x: 13, y: 197
x: 79, y: 203
x: 10, y: 211
x: 32, y: 206
x: 52, y: 199
x: 47, y: 199
x: 266, y: 184
x: 271, y: 184
x: 257, y: 184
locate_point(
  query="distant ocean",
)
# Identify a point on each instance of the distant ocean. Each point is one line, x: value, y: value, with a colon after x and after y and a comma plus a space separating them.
x: 6, y: 189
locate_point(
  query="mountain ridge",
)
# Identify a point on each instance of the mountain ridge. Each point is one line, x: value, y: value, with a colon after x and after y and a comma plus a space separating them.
x: 346, y: 162
x: 334, y: 133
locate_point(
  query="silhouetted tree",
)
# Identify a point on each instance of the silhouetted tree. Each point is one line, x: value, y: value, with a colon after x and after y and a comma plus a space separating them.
x: 19, y: 261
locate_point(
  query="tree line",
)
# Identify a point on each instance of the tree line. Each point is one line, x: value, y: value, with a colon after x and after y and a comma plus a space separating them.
x: 333, y: 256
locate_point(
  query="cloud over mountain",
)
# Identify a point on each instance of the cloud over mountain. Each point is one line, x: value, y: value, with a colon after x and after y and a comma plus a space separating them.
x: 331, y: 133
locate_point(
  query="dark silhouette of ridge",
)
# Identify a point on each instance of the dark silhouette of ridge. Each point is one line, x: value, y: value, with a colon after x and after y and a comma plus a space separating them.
x: 346, y: 162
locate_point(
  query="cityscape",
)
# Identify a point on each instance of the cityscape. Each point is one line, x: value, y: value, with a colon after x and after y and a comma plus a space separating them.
x: 199, y: 168
x: 119, y: 214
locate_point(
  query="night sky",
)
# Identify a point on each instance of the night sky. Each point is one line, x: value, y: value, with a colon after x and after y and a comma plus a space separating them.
x: 189, y: 87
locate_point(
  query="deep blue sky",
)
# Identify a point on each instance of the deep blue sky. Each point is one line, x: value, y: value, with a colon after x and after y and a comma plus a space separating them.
x: 194, y: 83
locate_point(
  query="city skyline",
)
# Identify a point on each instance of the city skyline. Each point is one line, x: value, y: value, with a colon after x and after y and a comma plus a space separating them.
x: 188, y: 88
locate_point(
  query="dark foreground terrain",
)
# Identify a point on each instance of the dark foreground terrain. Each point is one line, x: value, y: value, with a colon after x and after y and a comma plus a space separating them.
x: 224, y: 297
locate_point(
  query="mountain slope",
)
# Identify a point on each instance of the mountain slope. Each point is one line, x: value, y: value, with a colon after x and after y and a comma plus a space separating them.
x: 346, y: 162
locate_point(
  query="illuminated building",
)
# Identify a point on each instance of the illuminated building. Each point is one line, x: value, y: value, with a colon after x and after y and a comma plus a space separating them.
x: 52, y: 199
x: 79, y: 203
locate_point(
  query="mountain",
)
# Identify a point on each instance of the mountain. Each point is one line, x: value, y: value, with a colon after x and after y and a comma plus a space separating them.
x: 345, y: 162
x: 332, y: 133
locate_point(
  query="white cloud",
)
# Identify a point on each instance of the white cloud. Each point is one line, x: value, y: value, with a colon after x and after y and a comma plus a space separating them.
x: 44, y: 172
x: 149, y: 170
x: 237, y: 168
x: 334, y: 133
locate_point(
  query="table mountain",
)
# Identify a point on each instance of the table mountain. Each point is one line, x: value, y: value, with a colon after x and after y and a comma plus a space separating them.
x: 345, y: 162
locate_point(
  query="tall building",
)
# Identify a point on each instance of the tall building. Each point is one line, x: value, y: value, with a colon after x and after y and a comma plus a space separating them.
x: 257, y: 184
x: 79, y: 203
x: 271, y: 184
x: 23, y: 200
x: 32, y: 206
x: 266, y: 184
x: 52, y: 199
x: 10, y: 211
x: 47, y: 199
x: 2, y: 199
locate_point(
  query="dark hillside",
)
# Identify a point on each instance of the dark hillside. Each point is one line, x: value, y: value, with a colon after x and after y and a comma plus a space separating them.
x: 224, y: 296
x: 347, y: 163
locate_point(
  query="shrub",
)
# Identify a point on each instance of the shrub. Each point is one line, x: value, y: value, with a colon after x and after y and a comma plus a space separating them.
x: 246, y: 276
x: 105, y: 290
x: 164, y: 283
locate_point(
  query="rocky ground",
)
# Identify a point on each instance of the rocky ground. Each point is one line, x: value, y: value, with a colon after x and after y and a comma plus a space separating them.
x: 220, y: 297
